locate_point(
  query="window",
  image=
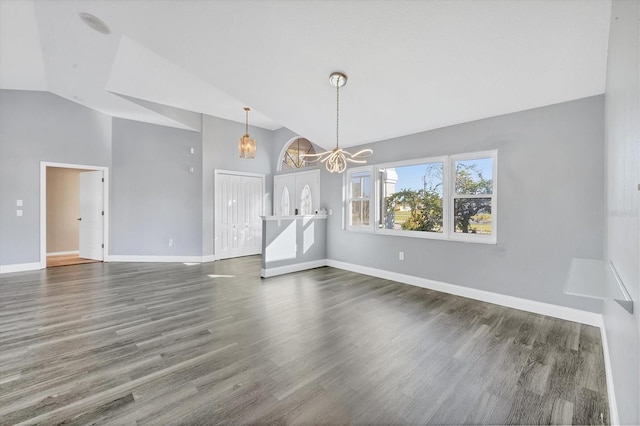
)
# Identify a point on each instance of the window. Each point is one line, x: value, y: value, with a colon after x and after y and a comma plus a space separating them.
x: 291, y: 159
x: 359, y: 198
x: 285, y: 205
x: 449, y: 197
x: 411, y: 197
x: 473, y: 196
x: 306, y: 203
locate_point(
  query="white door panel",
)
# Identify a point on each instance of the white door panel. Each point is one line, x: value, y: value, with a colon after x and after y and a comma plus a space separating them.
x: 302, y: 189
x: 91, y: 215
x: 238, y: 207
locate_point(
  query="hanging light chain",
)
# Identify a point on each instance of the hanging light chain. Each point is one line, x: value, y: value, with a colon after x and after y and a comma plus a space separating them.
x: 337, y: 110
x: 246, y: 120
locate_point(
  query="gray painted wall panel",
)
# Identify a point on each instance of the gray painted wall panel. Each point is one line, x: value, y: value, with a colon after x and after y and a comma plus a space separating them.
x: 550, y: 202
x: 303, y: 240
x: 622, y: 134
x: 35, y: 127
x: 154, y: 196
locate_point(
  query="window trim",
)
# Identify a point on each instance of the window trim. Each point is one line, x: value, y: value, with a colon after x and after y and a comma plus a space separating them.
x: 348, y: 199
x: 474, y: 238
x: 448, y: 197
x: 400, y: 232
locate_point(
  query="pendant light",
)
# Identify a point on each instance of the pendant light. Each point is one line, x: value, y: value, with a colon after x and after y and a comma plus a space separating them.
x: 336, y: 160
x: 246, y: 145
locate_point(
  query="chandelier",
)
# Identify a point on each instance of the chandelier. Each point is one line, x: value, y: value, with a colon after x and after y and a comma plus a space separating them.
x: 336, y: 160
x: 246, y: 145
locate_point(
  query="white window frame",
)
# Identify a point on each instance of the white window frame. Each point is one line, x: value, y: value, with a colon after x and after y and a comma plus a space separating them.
x: 349, y: 198
x: 474, y: 238
x: 378, y: 201
x: 449, y: 195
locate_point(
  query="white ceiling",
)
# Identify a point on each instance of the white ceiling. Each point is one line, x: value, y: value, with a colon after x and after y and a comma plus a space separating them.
x: 412, y: 65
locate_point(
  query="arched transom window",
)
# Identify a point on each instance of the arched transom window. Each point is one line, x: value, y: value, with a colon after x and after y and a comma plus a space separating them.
x: 292, y: 155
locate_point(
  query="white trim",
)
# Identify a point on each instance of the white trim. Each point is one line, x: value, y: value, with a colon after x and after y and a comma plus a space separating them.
x: 19, y: 267
x: 556, y: 311
x: 43, y: 205
x: 237, y: 173
x: 209, y: 258
x: 348, y: 199
x: 62, y: 253
x: 163, y: 259
x: 614, y: 419
x: 280, y: 270
x: 305, y: 217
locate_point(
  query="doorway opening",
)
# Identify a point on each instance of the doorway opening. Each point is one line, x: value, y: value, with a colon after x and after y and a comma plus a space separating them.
x: 73, y: 214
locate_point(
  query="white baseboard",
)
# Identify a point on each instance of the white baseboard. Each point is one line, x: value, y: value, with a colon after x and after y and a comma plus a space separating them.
x: 62, y: 253
x: 613, y: 406
x: 280, y: 270
x: 164, y: 259
x: 556, y: 311
x: 20, y: 267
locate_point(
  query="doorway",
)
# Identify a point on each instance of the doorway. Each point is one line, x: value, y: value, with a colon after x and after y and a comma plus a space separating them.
x: 73, y: 214
x: 296, y: 193
x: 238, y: 205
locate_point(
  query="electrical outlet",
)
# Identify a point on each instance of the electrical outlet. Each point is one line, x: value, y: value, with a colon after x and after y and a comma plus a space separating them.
x: 170, y: 242
x: 401, y: 255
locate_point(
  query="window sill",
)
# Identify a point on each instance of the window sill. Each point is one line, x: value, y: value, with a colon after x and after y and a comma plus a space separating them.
x: 481, y: 239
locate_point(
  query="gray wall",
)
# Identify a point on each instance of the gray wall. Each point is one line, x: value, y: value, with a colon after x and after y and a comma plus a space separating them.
x: 35, y: 127
x: 287, y: 242
x: 154, y: 197
x: 550, y: 201
x: 622, y: 130
x: 220, y: 151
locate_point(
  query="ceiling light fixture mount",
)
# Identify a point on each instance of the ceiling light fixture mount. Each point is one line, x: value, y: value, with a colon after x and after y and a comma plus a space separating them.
x: 94, y: 22
x: 246, y: 145
x: 336, y: 160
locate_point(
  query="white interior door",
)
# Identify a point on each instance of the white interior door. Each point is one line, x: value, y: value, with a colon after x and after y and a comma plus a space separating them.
x: 238, y: 207
x: 91, y: 215
x: 284, y: 193
x: 296, y: 192
x: 249, y: 222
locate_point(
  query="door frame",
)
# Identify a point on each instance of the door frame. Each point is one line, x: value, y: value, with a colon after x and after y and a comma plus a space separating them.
x: 217, y: 172
x: 43, y: 205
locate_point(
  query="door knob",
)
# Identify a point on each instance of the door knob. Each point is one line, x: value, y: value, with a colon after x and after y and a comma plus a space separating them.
x: 79, y: 218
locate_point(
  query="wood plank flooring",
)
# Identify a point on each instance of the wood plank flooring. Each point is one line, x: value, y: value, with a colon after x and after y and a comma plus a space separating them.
x: 168, y: 344
x: 66, y: 260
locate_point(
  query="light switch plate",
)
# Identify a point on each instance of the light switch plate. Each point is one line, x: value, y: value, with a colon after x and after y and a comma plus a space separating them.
x: 19, y: 203
x: 18, y: 212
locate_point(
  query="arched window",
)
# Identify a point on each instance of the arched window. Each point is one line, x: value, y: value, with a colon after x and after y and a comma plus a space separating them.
x: 291, y: 159
x: 306, y: 201
x: 285, y: 204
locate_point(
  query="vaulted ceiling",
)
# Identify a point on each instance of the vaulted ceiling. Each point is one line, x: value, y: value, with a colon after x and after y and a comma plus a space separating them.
x: 412, y: 65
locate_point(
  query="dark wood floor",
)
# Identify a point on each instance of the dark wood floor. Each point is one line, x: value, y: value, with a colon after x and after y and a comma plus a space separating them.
x: 164, y: 344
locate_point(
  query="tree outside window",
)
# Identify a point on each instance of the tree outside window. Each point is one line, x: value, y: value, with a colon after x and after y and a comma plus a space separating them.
x: 472, y: 200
